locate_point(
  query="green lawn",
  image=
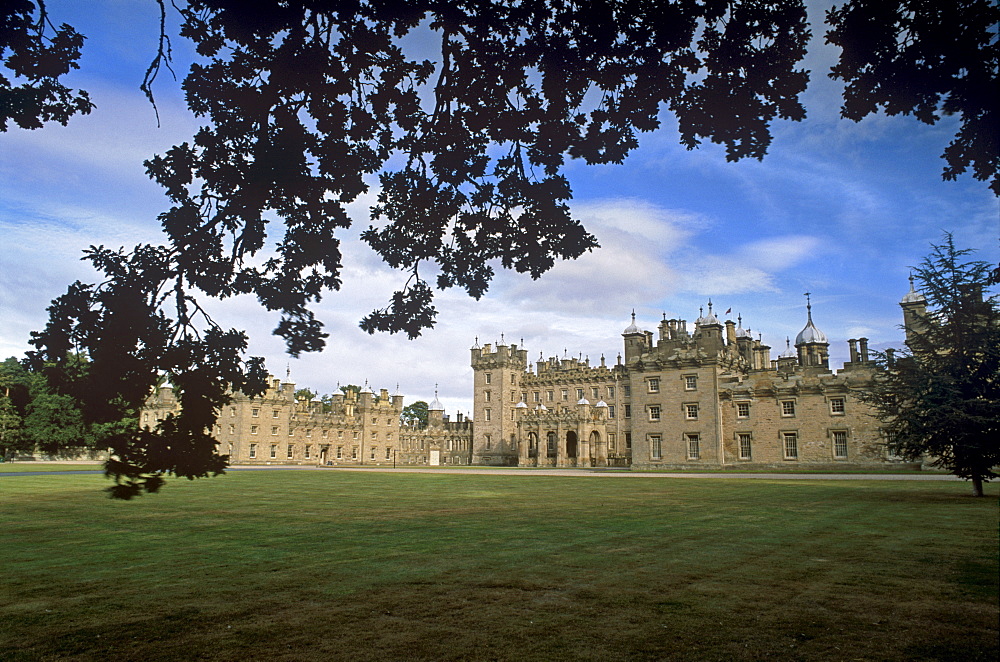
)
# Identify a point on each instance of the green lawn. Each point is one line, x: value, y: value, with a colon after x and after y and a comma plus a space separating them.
x: 320, y: 565
x: 11, y: 467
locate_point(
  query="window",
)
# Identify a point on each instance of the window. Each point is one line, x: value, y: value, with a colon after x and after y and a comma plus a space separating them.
x: 565, y: 394
x: 611, y: 411
x: 654, y: 412
x: 837, y: 406
x: 488, y: 395
x: 274, y: 413
x: 840, y: 444
x: 690, y: 382
x: 612, y: 439
x: 274, y: 430
x: 524, y: 396
x: 354, y: 452
x: 653, y: 385
x: 627, y: 390
x: 628, y: 411
x: 308, y: 451
x: 788, y: 407
x: 253, y: 451
x: 595, y: 393
x: 255, y: 412
x: 691, y: 412
x: 489, y: 442
x: 550, y: 395
x: 355, y: 434
x: 373, y: 452
x: 340, y: 452
x: 535, y: 396
x: 232, y: 411
x: 340, y: 434
x: 374, y: 436
x: 290, y: 450
x: 309, y: 432
x: 694, y: 446
x: 291, y: 431
x: 488, y: 413
x: 326, y: 433
x: 655, y: 449
x: 489, y: 378
x: 742, y: 410
x: 388, y: 453
x: 791, y: 440
x: 611, y: 393
x: 253, y: 429
x: 628, y: 441
x: 274, y: 451
x: 745, y: 449
x: 579, y: 394
x: 232, y: 429
x: 512, y: 416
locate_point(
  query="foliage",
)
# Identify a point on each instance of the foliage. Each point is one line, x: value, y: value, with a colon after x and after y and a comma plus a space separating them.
x: 941, y: 397
x: 926, y: 59
x: 34, y: 418
x: 36, y: 60
x: 307, y: 394
x: 415, y: 413
x: 306, y: 104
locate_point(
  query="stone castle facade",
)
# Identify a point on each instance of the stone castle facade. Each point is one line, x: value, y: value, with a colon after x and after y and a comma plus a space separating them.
x: 709, y: 396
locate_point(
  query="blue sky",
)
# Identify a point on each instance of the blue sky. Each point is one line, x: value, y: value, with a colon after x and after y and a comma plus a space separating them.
x: 837, y: 208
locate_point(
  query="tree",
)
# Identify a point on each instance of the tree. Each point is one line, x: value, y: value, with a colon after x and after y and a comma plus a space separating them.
x: 414, y: 413
x: 927, y: 59
x: 33, y: 418
x: 308, y: 394
x: 940, y: 397
x: 306, y: 103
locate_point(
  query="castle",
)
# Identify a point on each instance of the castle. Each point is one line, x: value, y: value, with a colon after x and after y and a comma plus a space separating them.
x: 710, y: 397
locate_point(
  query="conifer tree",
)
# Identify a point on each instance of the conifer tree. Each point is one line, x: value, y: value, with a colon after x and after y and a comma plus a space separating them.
x: 939, y: 398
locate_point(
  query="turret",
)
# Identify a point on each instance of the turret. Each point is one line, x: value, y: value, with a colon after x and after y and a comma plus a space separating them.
x: 811, y: 343
x: 914, y: 307
x: 708, y: 332
x: 634, y: 340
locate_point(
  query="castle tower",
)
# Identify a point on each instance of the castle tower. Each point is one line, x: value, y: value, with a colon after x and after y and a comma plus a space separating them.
x: 496, y: 392
x: 635, y: 341
x: 914, y: 307
x: 811, y: 343
x: 708, y: 332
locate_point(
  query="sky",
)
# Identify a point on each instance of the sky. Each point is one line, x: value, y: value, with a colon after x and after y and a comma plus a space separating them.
x: 838, y: 209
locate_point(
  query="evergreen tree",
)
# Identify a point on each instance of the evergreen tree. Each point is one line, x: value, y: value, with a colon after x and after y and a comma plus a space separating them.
x: 939, y: 399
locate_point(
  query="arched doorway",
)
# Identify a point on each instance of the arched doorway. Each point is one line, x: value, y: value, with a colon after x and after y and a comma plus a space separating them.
x: 571, y: 444
x: 598, y: 453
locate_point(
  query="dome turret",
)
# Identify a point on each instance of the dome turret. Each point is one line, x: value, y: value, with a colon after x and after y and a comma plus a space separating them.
x: 631, y: 328
x: 913, y: 296
x: 810, y: 334
x: 436, y: 404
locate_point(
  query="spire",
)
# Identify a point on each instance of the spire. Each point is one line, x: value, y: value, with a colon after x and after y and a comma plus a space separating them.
x: 789, y: 353
x: 436, y: 405
x: 631, y: 328
x: 810, y: 334
x: 913, y: 296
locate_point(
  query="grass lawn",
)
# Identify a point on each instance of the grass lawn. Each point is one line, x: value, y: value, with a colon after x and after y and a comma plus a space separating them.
x: 328, y: 565
x: 12, y: 467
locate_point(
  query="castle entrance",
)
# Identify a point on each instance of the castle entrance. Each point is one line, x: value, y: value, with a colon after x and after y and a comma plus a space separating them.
x: 571, y: 445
